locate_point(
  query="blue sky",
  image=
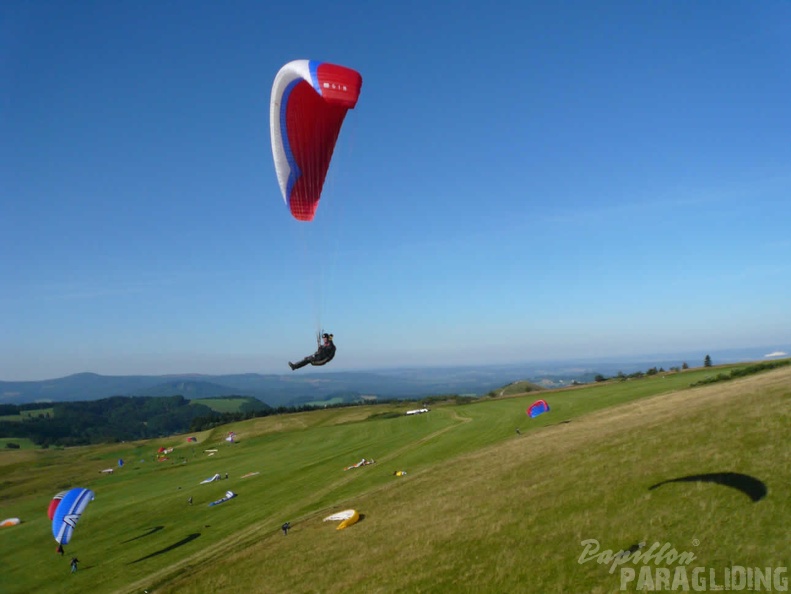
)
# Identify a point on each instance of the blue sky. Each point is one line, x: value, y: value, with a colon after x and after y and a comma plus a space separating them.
x: 520, y: 181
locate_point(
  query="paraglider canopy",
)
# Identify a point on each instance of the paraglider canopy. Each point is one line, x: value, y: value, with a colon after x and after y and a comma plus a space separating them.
x: 68, y: 512
x: 53, y: 505
x: 346, y: 518
x: 308, y: 105
x: 539, y: 407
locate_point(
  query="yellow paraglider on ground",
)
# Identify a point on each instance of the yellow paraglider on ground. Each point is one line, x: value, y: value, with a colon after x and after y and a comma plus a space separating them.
x: 346, y: 517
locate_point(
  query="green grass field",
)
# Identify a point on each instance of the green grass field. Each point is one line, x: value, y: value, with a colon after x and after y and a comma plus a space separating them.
x: 23, y: 442
x: 222, y: 405
x: 328, y: 402
x: 27, y: 414
x: 481, y: 508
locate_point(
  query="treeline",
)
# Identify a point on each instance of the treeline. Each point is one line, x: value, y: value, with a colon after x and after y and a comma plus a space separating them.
x: 742, y: 372
x: 215, y: 419
x: 119, y: 418
x: 622, y: 377
x: 129, y: 418
x: 734, y: 373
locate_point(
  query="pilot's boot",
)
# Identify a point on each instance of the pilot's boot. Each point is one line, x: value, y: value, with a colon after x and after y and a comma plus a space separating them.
x: 302, y: 363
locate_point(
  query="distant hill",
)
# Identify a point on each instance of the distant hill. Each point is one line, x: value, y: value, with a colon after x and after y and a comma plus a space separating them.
x: 190, y: 389
x: 406, y: 383
x: 275, y: 390
x: 518, y: 388
x: 122, y: 418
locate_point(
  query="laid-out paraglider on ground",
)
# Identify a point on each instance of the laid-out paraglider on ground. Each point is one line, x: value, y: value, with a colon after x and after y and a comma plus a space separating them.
x: 346, y: 518
x: 228, y: 496
x: 417, y: 411
x: 361, y: 463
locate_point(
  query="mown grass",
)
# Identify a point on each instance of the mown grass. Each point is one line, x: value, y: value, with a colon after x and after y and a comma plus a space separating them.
x: 481, y: 509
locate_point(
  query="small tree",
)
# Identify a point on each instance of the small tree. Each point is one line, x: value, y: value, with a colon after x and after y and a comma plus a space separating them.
x: 707, y: 361
x: 684, y: 365
x: 599, y: 378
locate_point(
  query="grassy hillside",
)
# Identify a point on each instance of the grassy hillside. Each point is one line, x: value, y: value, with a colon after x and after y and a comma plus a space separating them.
x: 517, y: 388
x: 481, y: 508
x: 28, y: 414
x: 21, y: 442
x: 231, y: 404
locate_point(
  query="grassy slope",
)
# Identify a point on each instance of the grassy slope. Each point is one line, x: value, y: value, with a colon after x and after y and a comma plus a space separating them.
x: 22, y: 442
x: 481, y: 509
x: 222, y: 405
x: 27, y: 414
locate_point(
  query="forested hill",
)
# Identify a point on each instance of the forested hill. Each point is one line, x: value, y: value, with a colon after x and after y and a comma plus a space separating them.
x: 276, y: 390
x: 119, y: 418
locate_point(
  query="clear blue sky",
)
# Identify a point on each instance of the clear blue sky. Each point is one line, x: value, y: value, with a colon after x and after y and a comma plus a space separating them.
x: 519, y: 181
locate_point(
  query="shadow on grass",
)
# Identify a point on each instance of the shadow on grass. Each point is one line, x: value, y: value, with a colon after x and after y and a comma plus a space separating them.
x: 149, y: 533
x: 175, y: 545
x: 749, y: 485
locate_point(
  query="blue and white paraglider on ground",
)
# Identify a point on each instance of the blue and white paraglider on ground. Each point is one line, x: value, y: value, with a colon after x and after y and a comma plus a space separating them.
x: 228, y: 496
